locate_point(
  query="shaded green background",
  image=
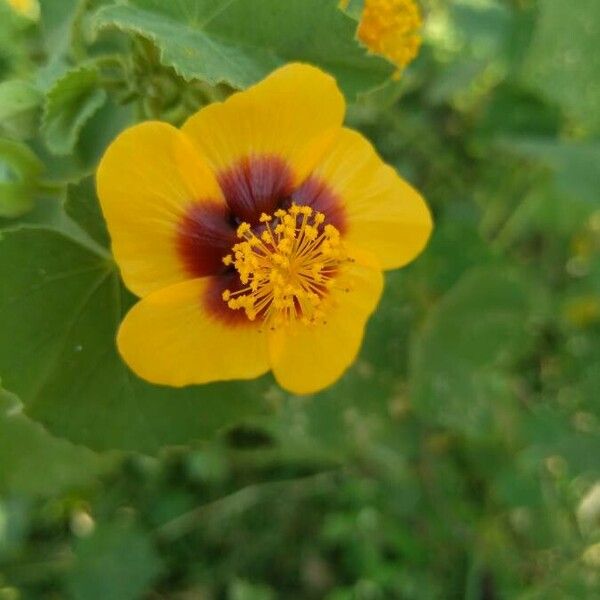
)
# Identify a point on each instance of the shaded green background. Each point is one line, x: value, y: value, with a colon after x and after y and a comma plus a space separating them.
x: 460, y: 457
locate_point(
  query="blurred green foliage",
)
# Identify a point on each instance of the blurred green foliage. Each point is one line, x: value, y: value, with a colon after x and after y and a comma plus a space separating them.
x: 460, y: 456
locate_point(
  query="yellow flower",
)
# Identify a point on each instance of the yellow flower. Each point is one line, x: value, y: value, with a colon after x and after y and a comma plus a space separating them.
x: 27, y: 8
x: 391, y: 28
x: 255, y: 236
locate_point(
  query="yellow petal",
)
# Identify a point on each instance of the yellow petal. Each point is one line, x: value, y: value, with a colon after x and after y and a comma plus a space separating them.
x: 147, y: 178
x: 308, y: 358
x: 172, y: 338
x: 384, y: 214
x: 293, y: 115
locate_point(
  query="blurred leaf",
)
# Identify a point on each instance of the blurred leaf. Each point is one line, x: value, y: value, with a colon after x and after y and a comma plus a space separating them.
x: 459, y: 357
x: 354, y: 8
x: 482, y: 25
x: 23, y: 162
x: 117, y: 562
x: 576, y: 166
x: 57, y: 18
x: 517, y: 111
x: 43, y: 212
x: 455, y: 247
x: 13, y: 524
x: 563, y: 61
x: 212, y: 41
x: 14, y: 48
x: 20, y: 169
x: 60, y: 305
x: 480, y: 34
x: 240, y: 589
x: 71, y: 101
x: 19, y: 107
x: 34, y: 462
x: 15, y: 199
x: 550, y: 433
x: 456, y: 78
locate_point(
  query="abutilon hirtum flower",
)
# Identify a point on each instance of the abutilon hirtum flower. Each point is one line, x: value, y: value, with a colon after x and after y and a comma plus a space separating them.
x: 255, y: 235
x: 391, y: 28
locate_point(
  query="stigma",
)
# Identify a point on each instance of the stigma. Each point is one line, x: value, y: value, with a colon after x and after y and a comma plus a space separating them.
x: 287, y: 267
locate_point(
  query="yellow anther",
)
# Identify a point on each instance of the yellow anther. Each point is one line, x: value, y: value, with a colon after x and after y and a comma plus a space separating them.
x: 311, y: 232
x: 285, y: 245
x: 286, y: 269
x: 243, y: 229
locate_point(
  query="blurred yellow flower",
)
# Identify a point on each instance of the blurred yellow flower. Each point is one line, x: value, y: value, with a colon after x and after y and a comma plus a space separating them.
x: 391, y: 28
x: 27, y: 8
x: 583, y: 311
x: 256, y: 236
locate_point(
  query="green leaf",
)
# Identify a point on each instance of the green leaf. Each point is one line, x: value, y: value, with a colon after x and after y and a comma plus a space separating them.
x: 563, y: 61
x: 34, y: 462
x: 19, y: 107
x: 211, y: 40
x: 459, y: 359
x: 70, y: 103
x: 60, y: 306
x: 82, y: 206
x: 117, y: 562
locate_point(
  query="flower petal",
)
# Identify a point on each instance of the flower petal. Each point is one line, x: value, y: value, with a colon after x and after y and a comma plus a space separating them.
x: 384, y: 214
x: 149, y: 176
x: 292, y: 115
x: 171, y: 338
x: 308, y: 358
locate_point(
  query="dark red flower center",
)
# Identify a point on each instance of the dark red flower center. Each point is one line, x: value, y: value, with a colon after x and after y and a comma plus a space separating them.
x: 253, y: 187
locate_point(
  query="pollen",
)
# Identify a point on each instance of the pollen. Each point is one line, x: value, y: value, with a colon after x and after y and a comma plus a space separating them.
x: 391, y: 28
x: 287, y: 267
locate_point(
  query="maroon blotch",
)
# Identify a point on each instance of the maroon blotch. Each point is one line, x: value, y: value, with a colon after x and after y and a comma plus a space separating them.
x: 205, y: 235
x: 217, y: 307
x: 255, y: 185
x: 314, y: 192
